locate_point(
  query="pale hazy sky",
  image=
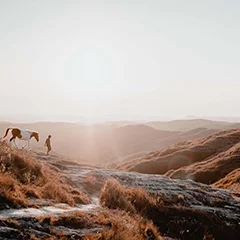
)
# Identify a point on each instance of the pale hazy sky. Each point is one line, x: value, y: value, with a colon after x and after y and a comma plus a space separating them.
x: 127, y: 58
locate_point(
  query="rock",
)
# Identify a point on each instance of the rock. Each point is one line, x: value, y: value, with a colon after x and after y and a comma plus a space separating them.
x: 189, y: 208
x: 10, y: 233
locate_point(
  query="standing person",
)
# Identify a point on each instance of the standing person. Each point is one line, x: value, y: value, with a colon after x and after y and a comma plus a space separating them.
x: 48, y: 144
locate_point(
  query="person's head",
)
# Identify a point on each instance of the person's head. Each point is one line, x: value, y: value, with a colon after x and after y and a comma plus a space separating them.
x: 49, y: 136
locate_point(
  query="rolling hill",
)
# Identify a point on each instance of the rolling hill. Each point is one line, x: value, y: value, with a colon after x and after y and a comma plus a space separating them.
x: 205, y: 160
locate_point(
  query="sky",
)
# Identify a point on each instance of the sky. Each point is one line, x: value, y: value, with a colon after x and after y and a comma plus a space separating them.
x: 121, y: 60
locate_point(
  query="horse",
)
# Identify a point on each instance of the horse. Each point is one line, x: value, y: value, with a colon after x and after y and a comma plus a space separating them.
x: 24, y: 135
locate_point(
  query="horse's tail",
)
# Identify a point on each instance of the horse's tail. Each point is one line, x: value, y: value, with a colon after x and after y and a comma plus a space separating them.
x: 6, y: 133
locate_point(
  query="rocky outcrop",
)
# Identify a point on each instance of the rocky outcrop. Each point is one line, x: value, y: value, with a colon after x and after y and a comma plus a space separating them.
x: 184, y: 200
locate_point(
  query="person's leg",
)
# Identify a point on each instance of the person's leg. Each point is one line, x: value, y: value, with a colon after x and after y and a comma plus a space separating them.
x: 49, y: 149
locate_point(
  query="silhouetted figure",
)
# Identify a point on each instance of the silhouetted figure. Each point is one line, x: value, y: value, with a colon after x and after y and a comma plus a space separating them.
x: 48, y: 144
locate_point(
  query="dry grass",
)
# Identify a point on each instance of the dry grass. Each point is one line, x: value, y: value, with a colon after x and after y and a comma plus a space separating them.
x: 22, y: 176
x: 113, y: 196
x: 11, y: 194
x: 22, y: 167
x: 111, y: 225
x: 133, y: 200
x: 122, y: 226
x: 231, y: 181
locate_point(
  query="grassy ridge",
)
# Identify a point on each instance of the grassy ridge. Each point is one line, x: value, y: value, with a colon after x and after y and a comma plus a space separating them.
x: 22, y: 176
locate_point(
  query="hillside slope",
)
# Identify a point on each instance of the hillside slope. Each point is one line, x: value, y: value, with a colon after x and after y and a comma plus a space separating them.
x: 188, y: 153
x: 211, y: 170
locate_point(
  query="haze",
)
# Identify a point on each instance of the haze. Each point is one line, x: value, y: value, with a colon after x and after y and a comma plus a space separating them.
x: 129, y: 59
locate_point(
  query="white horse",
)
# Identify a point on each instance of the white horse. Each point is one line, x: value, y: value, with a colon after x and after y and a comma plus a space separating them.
x: 24, y: 135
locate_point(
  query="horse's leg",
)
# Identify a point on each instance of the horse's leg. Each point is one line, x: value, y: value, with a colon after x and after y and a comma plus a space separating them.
x: 19, y: 136
x: 14, y: 140
x: 24, y: 145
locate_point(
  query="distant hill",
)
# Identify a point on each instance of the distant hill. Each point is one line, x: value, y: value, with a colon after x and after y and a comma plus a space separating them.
x: 116, y: 123
x: 187, y: 125
x: 235, y: 125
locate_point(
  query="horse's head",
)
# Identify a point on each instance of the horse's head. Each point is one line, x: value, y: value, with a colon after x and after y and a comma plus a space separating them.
x: 36, y: 135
